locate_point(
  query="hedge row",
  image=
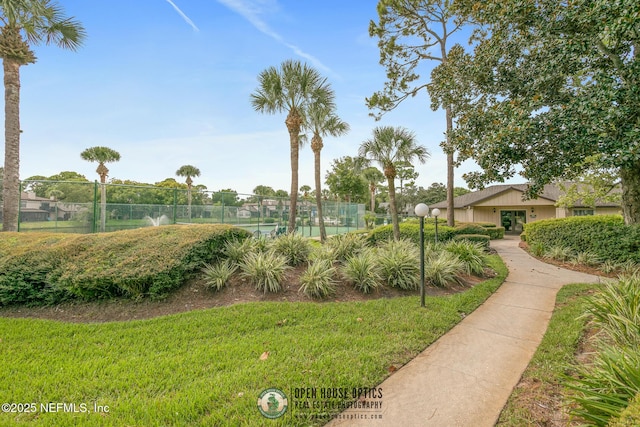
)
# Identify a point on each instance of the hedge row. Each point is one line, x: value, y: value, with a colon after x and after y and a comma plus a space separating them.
x: 411, y: 230
x: 45, y: 268
x: 604, y: 235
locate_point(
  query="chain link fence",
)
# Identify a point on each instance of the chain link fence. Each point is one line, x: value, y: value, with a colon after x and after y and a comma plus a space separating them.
x: 76, y: 207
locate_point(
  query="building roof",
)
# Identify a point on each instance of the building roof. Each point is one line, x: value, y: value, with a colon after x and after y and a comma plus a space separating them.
x: 550, y: 192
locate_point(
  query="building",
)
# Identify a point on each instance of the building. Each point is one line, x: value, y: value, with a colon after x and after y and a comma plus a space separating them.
x: 504, y: 206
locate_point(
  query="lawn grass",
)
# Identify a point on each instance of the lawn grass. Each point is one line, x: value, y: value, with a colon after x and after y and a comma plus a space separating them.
x: 554, y: 356
x: 205, y: 368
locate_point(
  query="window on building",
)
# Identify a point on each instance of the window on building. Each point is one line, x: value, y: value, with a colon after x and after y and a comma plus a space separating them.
x: 583, y: 212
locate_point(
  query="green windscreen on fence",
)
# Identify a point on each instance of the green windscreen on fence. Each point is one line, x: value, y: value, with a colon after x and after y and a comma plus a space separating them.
x: 77, y: 207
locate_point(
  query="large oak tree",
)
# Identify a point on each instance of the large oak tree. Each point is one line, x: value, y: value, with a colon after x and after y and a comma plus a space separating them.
x: 550, y: 85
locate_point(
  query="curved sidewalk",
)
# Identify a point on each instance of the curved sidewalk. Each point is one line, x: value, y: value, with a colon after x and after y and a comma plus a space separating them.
x: 467, y: 375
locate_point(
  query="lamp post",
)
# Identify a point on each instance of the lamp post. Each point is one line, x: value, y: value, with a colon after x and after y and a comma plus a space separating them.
x: 421, y: 210
x: 436, y: 214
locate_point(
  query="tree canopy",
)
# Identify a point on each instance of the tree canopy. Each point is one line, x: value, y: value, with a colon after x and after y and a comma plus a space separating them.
x: 548, y: 85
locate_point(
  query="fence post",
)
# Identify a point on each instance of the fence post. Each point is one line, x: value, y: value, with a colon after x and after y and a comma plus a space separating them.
x: 175, y: 205
x: 95, y: 206
x: 222, y: 214
x: 19, y: 202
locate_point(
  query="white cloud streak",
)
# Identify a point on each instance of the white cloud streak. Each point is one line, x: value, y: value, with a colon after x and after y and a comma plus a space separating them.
x: 251, y: 11
x: 184, y: 16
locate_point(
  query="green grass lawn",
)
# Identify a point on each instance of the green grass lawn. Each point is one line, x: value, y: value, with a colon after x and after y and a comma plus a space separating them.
x: 205, y: 368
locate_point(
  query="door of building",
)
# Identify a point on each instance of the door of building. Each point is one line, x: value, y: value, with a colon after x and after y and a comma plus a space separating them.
x: 513, y: 221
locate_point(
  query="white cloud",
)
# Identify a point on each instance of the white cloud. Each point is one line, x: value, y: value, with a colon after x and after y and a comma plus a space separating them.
x: 253, y: 11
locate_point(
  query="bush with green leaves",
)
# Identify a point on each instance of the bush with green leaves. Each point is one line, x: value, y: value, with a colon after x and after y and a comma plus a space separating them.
x: 151, y: 261
x: 343, y: 246
x: 293, y: 247
x: 604, y: 389
x: 265, y: 270
x: 482, y: 239
x: 362, y: 270
x: 604, y: 235
x: 411, y: 231
x: 586, y: 258
x: 217, y: 275
x: 235, y: 250
x: 616, y: 310
x: 400, y: 264
x: 559, y: 253
x: 537, y: 249
x: 443, y: 269
x: 317, y: 280
x: 471, y: 254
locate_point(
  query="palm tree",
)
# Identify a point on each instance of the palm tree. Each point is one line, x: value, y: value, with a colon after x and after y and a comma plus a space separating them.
x: 188, y: 171
x: 101, y: 155
x: 25, y: 23
x: 373, y: 177
x: 389, y: 146
x: 322, y: 121
x: 291, y: 88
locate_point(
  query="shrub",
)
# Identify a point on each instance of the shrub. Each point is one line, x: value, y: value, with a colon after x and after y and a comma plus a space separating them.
x: 630, y: 417
x: 266, y: 270
x: 411, y: 231
x: 559, y: 253
x: 293, y: 247
x: 343, y: 246
x: 443, y: 269
x: 471, y: 254
x: 495, y: 232
x: 537, y: 249
x: 362, y: 271
x: 400, y: 264
x: 317, y: 280
x: 628, y: 268
x: 616, y: 310
x: 148, y: 261
x: 216, y: 276
x: 478, y: 238
x: 586, y: 258
x: 471, y: 228
x: 235, y: 250
x: 604, y: 235
x: 605, y: 389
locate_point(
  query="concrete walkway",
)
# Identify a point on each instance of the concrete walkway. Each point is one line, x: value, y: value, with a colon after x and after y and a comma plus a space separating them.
x: 466, y: 376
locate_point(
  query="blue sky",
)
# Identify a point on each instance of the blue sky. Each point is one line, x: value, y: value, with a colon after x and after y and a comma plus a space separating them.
x: 168, y: 83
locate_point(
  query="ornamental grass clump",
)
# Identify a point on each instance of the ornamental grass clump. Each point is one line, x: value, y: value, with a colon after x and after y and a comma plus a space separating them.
x: 443, y: 269
x: 559, y: 253
x: 586, y: 258
x: 235, y: 250
x: 265, y: 270
x: 295, y: 248
x: 362, y: 270
x: 471, y: 254
x: 400, y: 264
x: 217, y: 275
x: 345, y: 245
x: 317, y: 280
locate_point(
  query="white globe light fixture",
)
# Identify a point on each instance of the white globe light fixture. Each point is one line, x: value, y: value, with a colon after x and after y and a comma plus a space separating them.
x: 421, y: 210
x: 436, y: 214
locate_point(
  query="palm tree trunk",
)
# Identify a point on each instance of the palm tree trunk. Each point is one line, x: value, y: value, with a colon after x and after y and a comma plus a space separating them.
x: 449, y: 151
x: 394, y: 209
x: 11, y: 180
x: 318, y: 182
x: 293, y: 123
